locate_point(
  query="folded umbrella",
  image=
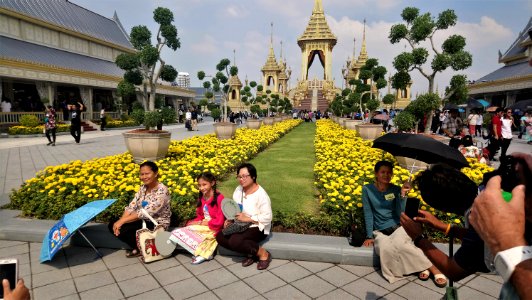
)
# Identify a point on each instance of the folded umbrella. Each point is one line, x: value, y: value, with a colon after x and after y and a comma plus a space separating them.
x: 70, y: 223
x: 421, y: 148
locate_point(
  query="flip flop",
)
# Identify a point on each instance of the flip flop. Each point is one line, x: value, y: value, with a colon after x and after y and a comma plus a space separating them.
x: 133, y: 253
x: 424, y: 276
x: 442, y: 280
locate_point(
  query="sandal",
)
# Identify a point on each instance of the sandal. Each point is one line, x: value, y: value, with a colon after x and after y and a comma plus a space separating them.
x: 133, y: 253
x: 440, y: 280
x: 424, y: 276
x: 264, y: 264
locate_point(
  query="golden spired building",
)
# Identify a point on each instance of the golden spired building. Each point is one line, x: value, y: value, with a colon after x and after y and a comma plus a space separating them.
x: 316, y: 41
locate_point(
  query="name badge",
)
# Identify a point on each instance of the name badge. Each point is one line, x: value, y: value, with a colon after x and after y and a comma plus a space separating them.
x: 389, y: 197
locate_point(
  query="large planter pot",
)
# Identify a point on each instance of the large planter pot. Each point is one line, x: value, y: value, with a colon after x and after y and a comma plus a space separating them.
x: 147, y: 144
x: 225, y: 130
x: 342, y: 122
x: 350, y: 124
x: 413, y: 165
x: 278, y: 119
x: 369, y: 131
x: 269, y: 121
x: 253, y: 123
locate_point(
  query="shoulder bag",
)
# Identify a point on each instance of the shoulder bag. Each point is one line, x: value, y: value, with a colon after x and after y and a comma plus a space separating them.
x: 146, y: 240
x: 237, y: 226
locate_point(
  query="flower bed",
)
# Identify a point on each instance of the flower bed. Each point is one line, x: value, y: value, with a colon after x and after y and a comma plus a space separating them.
x: 119, y: 124
x: 344, y: 164
x: 23, y: 130
x: 57, y: 190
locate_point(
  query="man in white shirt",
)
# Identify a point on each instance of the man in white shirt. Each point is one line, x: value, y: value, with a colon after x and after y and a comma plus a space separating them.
x: 6, y: 105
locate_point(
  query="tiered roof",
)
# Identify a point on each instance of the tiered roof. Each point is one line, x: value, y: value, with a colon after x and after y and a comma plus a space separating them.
x: 317, y: 28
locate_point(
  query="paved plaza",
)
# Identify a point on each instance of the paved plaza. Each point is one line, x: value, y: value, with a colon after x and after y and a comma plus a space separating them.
x: 74, y: 272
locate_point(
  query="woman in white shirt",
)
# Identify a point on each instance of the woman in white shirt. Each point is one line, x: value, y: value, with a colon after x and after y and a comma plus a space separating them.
x: 507, y: 124
x: 480, y: 121
x: 472, y: 122
x: 257, y: 209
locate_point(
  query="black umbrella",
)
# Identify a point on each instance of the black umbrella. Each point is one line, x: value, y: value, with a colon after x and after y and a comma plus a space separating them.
x: 450, y: 106
x: 420, y: 147
x: 523, y: 105
x: 474, y: 103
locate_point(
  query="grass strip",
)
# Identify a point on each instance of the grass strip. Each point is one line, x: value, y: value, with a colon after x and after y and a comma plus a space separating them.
x: 285, y: 171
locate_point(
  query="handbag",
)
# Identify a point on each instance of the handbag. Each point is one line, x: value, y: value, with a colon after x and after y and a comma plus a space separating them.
x: 356, y: 236
x: 236, y: 227
x: 146, y: 240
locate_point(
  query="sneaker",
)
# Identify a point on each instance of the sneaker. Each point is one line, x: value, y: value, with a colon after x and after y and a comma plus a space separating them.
x: 196, y: 260
x: 53, y: 144
x: 49, y: 144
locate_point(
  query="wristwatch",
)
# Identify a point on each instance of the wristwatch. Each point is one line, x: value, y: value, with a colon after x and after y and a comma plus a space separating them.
x: 505, y: 261
x: 419, y: 238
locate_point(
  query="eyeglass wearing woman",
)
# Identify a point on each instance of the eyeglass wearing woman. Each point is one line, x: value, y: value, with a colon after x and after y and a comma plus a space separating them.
x: 256, y: 208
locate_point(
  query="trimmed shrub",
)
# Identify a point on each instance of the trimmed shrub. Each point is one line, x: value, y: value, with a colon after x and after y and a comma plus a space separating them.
x: 29, y: 121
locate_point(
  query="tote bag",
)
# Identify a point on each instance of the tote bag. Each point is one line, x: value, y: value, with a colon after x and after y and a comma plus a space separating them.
x: 146, y: 240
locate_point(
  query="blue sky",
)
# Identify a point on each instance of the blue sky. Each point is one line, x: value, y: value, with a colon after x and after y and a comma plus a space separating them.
x: 210, y: 29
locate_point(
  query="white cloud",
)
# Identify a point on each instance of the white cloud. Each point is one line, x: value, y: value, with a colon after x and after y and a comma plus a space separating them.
x: 206, y: 46
x: 236, y: 11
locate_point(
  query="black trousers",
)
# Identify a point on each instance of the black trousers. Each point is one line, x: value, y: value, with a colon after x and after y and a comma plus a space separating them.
x: 505, y: 143
x: 103, y: 122
x: 52, y: 132
x: 128, y: 231
x: 246, y: 242
x: 75, y: 131
x: 493, y: 147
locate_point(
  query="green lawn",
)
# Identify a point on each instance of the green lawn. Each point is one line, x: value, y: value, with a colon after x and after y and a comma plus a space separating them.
x: 285, y: 171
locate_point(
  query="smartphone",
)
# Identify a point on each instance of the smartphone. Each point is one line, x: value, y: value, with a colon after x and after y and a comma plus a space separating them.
x: 412, y: 206
x: 9, y: 271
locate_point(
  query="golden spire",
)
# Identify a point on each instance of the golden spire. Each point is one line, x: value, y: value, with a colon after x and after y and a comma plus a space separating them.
x: 317, y: 28
x: 271, y: 62
x: 363, y: 50
x: 234, y: 57
x: 354, y: 47
x: 318, y: 7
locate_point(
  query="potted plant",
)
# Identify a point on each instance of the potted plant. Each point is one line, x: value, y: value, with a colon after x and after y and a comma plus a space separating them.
x: 143, y: 69
x: 220, y: 84
x: 252, y: 100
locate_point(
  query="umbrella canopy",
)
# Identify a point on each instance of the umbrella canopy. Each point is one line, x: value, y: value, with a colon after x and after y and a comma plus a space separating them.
x: 64, y: 228
x: 491, y: 109
x: 473, y: 103
x: 420, y: 147
x: 523, y: 105
x: 450, y: 106
x: 383, y: 117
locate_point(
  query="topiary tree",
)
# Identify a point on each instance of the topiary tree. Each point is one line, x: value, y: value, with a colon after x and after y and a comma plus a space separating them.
x: 420, y: 28
x: 220, y: 83
x: 423, y: 104
x: 404, y: 121
x: 250, y: 97
x: 145, y: 67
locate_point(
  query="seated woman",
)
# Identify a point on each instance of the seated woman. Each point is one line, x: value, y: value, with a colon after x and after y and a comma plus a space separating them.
x: 198, y: 237
x: 257, y: 209
x: 448, y: 190
x: 154, y: 197
x: 383, y: 203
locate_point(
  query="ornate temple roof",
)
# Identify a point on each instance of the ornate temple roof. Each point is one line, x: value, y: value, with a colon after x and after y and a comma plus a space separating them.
x: 28, y: 52
x: 271, y: 62
x: 235, y: 81
x: 71, y: 16
x: 518, y: 48
x: 317, y: 28
x: 508, y: 71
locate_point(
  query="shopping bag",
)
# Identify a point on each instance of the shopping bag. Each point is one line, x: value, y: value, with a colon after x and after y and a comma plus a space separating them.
x: 146, y: 240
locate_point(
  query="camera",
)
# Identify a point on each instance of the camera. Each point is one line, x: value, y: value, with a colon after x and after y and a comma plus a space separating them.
x: 512, y: 171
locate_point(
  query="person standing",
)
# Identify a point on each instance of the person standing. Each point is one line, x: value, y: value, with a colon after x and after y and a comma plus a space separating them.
x: 480, y: 122
x: 49, y: 125
x: 472, y: 122
x: 506, y: 131
x: 103, y: 120
x: 496, y: 133
x: 75, y: 121
x: 452, y: 124
x: 522, y: 124
x: 194, y: 116
x: 6, y: 105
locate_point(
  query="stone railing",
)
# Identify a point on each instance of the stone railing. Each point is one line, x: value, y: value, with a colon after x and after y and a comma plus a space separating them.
x: 14, y: 117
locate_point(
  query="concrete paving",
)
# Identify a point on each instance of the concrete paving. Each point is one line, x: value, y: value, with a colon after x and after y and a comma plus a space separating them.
x: 75, y: 273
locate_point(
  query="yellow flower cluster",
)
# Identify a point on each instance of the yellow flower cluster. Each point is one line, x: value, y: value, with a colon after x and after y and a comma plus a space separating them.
x: 21, y: 130
x: 59, y: 189
x: 345, y: 162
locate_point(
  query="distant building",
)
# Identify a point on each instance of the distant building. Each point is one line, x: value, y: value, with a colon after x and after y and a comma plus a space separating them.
x: 200, y: 94
x: 183, y: 80
x: 512, y: 82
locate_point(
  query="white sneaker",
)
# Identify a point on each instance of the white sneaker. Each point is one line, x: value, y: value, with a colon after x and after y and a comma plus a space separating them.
x: 196, y: 260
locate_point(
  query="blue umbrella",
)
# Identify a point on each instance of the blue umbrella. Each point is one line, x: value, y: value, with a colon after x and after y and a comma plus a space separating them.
x: 69, y: 223
x: 483, y: 102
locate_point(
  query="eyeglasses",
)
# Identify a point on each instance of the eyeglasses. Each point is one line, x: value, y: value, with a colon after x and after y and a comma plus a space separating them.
x: 241, y: 177
x: 509, y: 112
